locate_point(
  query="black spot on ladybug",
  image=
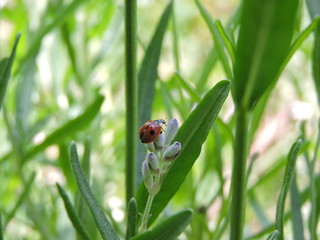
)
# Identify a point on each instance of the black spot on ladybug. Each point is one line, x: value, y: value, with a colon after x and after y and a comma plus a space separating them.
x: 152, y: 132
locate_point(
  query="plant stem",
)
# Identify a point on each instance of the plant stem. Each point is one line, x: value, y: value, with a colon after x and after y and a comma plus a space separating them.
x: 146, y: 214
x: 239, y: 175
x: 313, y: 192
x: 131, y: 96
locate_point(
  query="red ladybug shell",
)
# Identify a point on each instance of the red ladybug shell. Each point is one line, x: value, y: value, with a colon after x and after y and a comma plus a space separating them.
x: 150, y: 131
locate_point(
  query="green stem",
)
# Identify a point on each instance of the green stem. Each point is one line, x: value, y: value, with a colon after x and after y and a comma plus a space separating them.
x: 131, y: 96
x: 239, y: 175
x: 313, y: 192
x: 146, y: 214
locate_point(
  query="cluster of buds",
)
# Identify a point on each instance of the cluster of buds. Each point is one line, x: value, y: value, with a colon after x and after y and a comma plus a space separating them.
x: 162, y: 154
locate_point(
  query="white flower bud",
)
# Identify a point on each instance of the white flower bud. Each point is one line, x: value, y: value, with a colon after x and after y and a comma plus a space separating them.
x: 171, y: 131
x: 146, y: 174
x: 153, y: 164
x: 159, y: 142
x: 172, y: 151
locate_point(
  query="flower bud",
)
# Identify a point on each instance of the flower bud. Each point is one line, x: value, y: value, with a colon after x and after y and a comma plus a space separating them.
x: 153, y: 164
x: 171, y: 131
x: 172, y: 151
x: 159, y: 143
x: 146, y: 174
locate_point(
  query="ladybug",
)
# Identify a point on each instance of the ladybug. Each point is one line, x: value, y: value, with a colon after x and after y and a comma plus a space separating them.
x: 151, y: 130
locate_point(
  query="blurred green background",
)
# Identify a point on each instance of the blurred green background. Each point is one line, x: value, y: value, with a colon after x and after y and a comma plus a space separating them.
x: 70, y: 53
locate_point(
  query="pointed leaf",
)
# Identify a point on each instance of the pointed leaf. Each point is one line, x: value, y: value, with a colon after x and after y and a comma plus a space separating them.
x: 287, y: 180
x: 104, y: 226
x: 5, y: 70
x: 191, y: 135
x: 132, y: 219
x: 72, y: 214
x: 169, y: 229
x: 266, y: 30
x: 148, y: 71
x: 147, y: 77
x: 70, y: 127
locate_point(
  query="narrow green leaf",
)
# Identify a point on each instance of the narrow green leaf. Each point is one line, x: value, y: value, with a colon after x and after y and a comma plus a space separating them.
x: 104, y: 226
x: 1, y: 232
x: 297, y: 222
x: 228, y: 42
x: 147, y: 78
x: 186, y: 86
x: 265, y: 35
x: 273, y: 236
x: 60, y: 17
x: 316, y: 59
x: 299, y: 40
x: 169, y: 229
x: 148, y: 70
x: 83, y: 210
x: 132, y: 219
x: 304, y: 196
x: 191, y: 135
x: 287, y: 180
x: 21, y: 199
x: 217, y: 39
x: 206, y: 69
x: 5, y: 69
x: 69, y: 128
x: 72, y: 214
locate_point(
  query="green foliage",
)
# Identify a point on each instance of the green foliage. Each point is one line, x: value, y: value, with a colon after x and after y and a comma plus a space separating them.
x: 132, y: 219
x: 95, y: 71
x: 191, y: 135
x: 266, y: 31
x: 5, y: 70
x: 286, y: 184
x: 72, y: 214
x: 105, y: 228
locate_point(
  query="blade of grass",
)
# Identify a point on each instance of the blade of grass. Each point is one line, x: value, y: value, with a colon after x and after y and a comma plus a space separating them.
x: 304, y: 196
x: 273, y: 236
x: 316, y: 59
x: 313, y: 191
x: 75, y: 220
x: 132, y: 219
x: 228, y: 41
x: 104, y: 226
x: 297, y: 222
x: 263, y: 44
x: 191, y: 135
x: 287, y: 180
x: 185, y: 85
x: 147, y: 78
x: 131, y: 91
x: 217, y: 39
x: 299, y: 40
x: 169, y: 229
x: 68, y: 128
x: 5, y: 70
x: 82, y: 209
x: 175, y: 38
x: 60, y: 17
x: 20, y: 200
